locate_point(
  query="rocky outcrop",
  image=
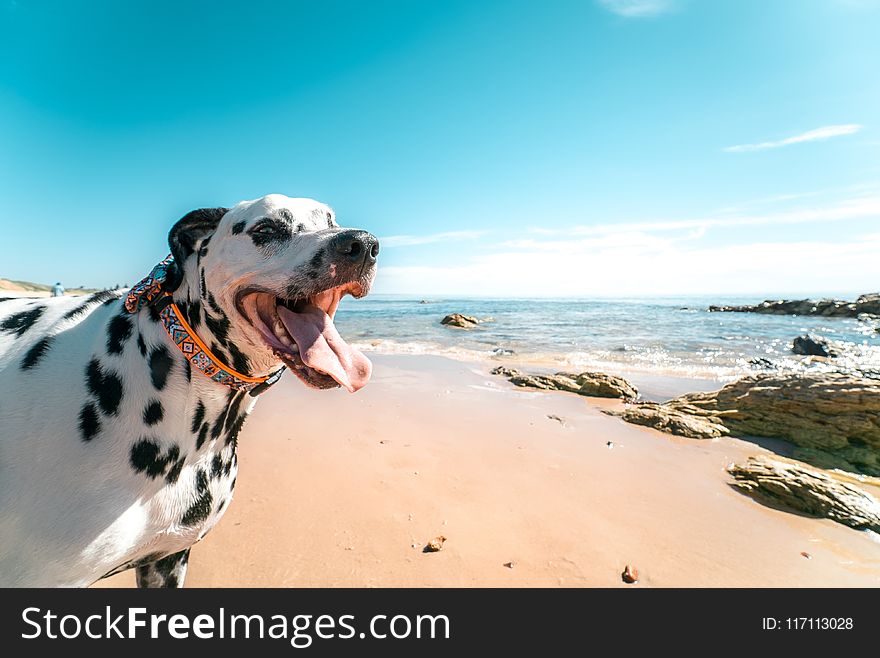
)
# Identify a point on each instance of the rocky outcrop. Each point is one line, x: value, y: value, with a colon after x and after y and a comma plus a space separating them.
x: 795, y: 487
x: 809, y: 345
x: 590, y: 384
x: 693, y: 424
x: 832, y: 418
x: 461, y: 321
x: 865, y: 304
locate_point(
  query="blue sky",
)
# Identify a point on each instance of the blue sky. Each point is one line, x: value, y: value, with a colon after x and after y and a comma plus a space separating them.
x: 607, y: 147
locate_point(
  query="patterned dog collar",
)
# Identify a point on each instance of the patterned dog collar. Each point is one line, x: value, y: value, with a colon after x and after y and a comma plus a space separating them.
x: 150, y: 291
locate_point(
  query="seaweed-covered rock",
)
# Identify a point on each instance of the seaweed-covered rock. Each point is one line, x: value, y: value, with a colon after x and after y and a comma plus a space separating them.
x: 796, y: 487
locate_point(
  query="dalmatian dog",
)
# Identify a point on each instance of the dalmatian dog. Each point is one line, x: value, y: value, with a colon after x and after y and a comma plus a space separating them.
x: 115, y: 451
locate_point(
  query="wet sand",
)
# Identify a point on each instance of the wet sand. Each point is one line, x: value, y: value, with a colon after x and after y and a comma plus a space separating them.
x: 345, y: 490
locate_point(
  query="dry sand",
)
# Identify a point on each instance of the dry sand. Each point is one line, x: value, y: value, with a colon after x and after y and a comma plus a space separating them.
x: 346, y: 490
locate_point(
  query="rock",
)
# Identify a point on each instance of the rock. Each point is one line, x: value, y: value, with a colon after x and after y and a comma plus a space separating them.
x: 869, y: 303
x: 504, y: 371
x: 558, y: 419
x: 796, y: 487
x: 670, y: 420
x: 435, y: 544
x: 459, y: 320
x: 806, y: 555
x: 590, y: 384
x: 761, y: 362
x: 503, y: 351
x: 832, y: 418
x: 810, y: 345
x: 630, y: 575
x: 510, y: 565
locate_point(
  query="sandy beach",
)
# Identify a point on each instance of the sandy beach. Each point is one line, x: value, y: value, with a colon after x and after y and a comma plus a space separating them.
x: 529, y: 488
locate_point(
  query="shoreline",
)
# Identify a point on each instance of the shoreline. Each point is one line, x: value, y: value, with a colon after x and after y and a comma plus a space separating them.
x: 349, y: 491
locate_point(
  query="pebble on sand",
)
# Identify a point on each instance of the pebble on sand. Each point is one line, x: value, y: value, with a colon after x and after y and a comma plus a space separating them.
x: 630, y: 575
x: 435, y: 544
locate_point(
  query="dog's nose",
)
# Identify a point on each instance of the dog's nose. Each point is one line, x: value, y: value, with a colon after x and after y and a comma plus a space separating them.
x: 356, y: 246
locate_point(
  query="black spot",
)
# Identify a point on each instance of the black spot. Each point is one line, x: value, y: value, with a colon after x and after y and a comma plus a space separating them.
x: 216, y: 466
x: 234, y: 406
x: 285, y: 214
x: 153, y: 412
x: 218, y: 326
x: 201, y: 508
x: 204, y: 287
x: 160, y: 366
x: 212, y: 302
x: 329, y: 220
x: 238, y: 227
x: 146, y: 457
x: 36, y: 352
x: 174, y: 472
x: 104, y: 385
x: 203, y: 434
x: 239, y: 361
x: 194, y: 314
x: 198, y: 417
x: 187, y: 370
x: 20, y: 322
x: 142, y: 346
x: 232, y: 398
x: 215, y: 349
x: 235, y: 428
x: 317, y: 259
x: 101, y: 297
x: 118, y: 332
x: 89, y: 424
x: 222, y: 505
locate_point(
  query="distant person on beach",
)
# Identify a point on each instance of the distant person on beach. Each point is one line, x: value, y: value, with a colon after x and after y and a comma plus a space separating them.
x: 58, y: 290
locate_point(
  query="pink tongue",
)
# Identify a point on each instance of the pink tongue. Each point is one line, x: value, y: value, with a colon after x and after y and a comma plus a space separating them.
x: 322, y: 348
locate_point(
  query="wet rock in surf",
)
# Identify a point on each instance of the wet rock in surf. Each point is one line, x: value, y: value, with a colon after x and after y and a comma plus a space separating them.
x: 792, y: 486
x: 461, y: 321
x: 809, y: 345
x: 865, y: 304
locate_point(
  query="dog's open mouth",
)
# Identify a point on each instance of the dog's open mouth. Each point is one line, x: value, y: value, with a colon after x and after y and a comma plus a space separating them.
x: 302, y: 334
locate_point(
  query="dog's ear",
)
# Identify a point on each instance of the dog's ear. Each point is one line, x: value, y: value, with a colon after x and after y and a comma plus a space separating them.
x: 183, y: 236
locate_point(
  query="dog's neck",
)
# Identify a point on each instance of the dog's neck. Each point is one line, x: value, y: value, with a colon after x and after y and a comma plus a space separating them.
x: 216, y: 325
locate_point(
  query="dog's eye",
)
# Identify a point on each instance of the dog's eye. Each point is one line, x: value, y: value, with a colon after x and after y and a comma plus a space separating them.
x: 266, y: 228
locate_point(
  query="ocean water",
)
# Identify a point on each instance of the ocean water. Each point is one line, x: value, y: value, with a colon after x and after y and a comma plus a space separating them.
x: 675, y: 337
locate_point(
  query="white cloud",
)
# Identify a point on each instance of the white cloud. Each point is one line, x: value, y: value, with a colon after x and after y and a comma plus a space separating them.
x: 637, y: 8
x: 760, y: 268
x: 660, y: 258
x: 411, y: 240
x: 851, y: 209
x: 826, y: 132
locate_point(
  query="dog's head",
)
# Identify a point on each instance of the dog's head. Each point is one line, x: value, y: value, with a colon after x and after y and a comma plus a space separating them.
x: 266, y: 277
